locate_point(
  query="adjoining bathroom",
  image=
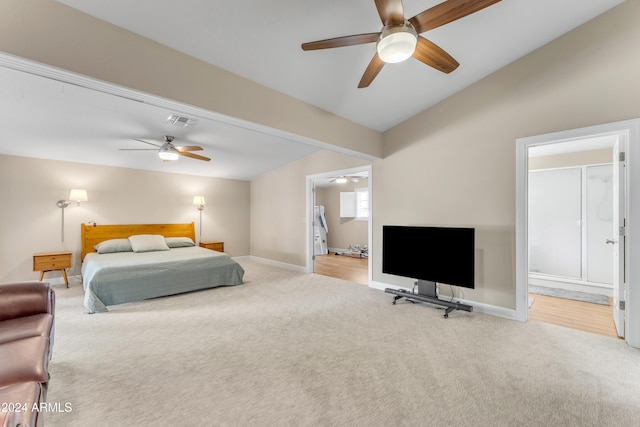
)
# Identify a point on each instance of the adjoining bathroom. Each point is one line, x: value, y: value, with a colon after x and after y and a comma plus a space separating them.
x: 571, y: 231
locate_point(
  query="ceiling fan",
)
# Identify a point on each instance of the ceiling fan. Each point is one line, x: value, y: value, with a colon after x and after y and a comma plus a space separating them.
x: 346, y: 178
x: 168, y: 152
x: 399, y: 38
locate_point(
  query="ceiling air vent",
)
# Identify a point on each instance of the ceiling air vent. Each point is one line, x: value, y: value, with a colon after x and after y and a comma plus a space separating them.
x: 177, y: 120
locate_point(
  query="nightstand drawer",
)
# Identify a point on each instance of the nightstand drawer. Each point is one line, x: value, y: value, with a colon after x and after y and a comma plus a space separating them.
x: 54, y: 261
x: 214, y: 246
x: 50, y: 261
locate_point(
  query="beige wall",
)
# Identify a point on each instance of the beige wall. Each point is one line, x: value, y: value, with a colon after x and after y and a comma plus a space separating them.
x: 343, y: 232
x: 591, y: 157
x: 454, y: 164
x: 278, y: 207
x: 52, y: 33
x: 30, y: 221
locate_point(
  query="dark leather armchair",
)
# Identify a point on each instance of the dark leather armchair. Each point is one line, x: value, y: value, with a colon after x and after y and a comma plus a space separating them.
x: 27, y: 314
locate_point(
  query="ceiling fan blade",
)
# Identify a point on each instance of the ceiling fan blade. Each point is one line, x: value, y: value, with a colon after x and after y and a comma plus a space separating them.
x: 146, y: 142
x: 391, y: 12
x: 193, y: 156
x: 371, y: 72
x: 446, y: 12
x: 137, y: 149
x: 434, y: 56
x: 188, y: 148
x: 342, y: 41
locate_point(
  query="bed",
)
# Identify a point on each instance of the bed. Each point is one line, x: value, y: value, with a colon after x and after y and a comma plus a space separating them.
x: 126, y: 263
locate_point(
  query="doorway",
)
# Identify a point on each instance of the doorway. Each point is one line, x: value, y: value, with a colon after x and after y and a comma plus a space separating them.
x: 625, y: 304
x: 570, y: 234
x: 339, y: 224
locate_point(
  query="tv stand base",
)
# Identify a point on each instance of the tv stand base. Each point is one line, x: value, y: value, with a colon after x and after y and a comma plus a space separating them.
x: 411, y: 297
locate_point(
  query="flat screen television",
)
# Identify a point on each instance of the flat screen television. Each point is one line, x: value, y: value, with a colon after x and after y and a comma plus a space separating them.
x: 433, y: 254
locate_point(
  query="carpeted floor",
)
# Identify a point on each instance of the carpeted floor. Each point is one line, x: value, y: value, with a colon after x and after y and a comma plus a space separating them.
x: 292, y: 349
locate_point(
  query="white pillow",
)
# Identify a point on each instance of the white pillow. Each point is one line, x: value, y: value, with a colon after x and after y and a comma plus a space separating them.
x: 179, y: 242
x: 113, y: 245
x: 148, y: 243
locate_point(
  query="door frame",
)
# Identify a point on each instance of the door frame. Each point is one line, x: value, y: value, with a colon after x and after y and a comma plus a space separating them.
x: 619, y: 217
x: 310, y: 201
x: 631, y: 130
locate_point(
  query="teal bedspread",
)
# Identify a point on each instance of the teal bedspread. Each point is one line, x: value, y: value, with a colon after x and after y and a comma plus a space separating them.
x: 116, y: 278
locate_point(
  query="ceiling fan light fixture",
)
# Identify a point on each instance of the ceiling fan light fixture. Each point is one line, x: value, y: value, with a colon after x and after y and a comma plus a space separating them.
x: 397, y: 43
x: 341, y: 179
x: 167, y: 153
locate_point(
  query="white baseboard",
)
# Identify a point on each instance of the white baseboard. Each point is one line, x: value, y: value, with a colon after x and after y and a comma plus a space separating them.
x: 382, y: 286
x: 493, y: 310
x: 298, y: 268
x: 59, y: 281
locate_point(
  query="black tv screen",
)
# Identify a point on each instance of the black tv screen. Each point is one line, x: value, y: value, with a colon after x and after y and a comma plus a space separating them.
x: 438, y: 254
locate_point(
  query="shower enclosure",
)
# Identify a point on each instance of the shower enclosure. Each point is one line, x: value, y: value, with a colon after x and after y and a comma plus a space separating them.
x: 570, y: 227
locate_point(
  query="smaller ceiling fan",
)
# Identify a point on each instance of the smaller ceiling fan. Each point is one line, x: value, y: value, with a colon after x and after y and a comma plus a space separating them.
x: 168, y: 152
x: 346, y: 178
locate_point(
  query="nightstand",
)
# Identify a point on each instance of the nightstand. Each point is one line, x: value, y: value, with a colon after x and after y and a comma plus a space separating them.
x: 51, y: 261
x: 213, y: 245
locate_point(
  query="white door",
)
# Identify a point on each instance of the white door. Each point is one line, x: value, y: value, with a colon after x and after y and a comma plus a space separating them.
x: 617, y: 239
x: 313, y: 225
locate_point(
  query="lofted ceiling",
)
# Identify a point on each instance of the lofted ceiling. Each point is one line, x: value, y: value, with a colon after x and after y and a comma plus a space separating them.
x: 67, y: 117
x: 260, y: 40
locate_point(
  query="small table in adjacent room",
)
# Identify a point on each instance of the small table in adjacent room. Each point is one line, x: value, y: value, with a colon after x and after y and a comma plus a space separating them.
x: 213, y: 245
x: 52, y: 261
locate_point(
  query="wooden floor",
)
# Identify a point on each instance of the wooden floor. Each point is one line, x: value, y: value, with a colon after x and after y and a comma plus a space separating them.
x: 343, y: 267
x: 584, y: 316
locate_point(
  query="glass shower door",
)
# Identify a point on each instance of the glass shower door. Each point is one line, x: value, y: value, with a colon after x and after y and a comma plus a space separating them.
x: 599, y: 225
x: 555, y: 222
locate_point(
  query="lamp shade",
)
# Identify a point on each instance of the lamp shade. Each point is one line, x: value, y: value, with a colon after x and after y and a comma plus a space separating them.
x: 77, y: 195
x: 167, y: 153
x: 198, y: 200
x: 397, y: 43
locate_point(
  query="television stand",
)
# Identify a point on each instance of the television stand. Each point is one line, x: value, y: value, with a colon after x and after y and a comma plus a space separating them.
x: 429, y: 296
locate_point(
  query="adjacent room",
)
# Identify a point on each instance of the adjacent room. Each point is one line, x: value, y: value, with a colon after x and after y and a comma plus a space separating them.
x: 572, y: 234
x: 341, y: 226
x: 387, y: 212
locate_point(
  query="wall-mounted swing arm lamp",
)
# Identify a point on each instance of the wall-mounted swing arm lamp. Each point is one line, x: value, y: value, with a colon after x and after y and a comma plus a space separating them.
x: 199, y: 202
x: 74, y: 196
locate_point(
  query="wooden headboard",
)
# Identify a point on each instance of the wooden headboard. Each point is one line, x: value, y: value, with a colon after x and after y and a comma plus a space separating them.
x: 93, y: 234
